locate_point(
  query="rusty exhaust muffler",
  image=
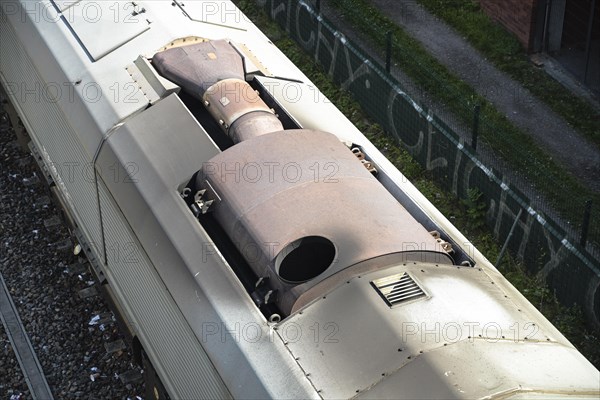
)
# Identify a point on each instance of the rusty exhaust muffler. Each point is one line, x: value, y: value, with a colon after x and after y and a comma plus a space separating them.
x: 298, y: 204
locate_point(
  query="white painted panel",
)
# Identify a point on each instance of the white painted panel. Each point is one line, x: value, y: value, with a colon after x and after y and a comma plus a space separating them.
x: 103, y: 26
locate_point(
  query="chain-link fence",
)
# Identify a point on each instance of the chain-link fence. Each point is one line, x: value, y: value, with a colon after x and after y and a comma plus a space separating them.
x: 443, y: 147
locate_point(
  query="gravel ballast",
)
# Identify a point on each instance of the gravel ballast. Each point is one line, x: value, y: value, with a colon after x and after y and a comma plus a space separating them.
x: 70, y: 330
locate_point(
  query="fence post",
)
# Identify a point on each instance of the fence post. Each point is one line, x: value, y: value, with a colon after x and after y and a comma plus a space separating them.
x: 588, y: 42
x: 475, y: 131
x: 585, y: 225
x: 388, y: 52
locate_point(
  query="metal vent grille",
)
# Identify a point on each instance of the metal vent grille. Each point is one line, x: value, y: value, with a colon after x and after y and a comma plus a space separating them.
x: 397, y: 289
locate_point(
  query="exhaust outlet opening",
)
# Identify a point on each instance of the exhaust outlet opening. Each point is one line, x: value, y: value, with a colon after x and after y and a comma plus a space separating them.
x: 304, y: 259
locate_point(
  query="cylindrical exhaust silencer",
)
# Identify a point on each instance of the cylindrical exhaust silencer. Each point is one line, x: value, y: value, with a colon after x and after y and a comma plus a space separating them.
x: 300, y: 207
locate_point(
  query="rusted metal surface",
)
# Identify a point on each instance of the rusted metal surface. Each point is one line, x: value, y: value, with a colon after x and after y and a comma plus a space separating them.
x: 279, y: 188
x: 199, y: 66
x: 240, y: 111
x: 253, y: 124
x: 213, y: 71
x: 298, y: 204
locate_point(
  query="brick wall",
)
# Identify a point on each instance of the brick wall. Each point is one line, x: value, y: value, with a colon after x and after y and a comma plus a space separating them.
x: 518, y: 16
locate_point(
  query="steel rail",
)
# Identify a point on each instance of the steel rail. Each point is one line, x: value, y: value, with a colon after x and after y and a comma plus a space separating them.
x: 28, y: 361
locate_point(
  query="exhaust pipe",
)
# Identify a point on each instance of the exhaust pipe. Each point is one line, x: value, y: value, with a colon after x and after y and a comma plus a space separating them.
x: 214, y: 73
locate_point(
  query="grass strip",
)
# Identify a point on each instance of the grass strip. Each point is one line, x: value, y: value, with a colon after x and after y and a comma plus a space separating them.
x: 560, y: 189
x: 503, y: 50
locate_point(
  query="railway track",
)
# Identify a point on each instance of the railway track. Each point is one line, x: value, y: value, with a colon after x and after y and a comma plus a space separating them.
x: 23, y: 350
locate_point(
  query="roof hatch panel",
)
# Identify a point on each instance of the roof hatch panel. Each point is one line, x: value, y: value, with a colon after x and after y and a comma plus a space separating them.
x: 104, y: 26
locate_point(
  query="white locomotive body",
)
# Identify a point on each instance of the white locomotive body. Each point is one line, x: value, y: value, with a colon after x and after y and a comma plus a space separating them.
x: 232, y: 214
